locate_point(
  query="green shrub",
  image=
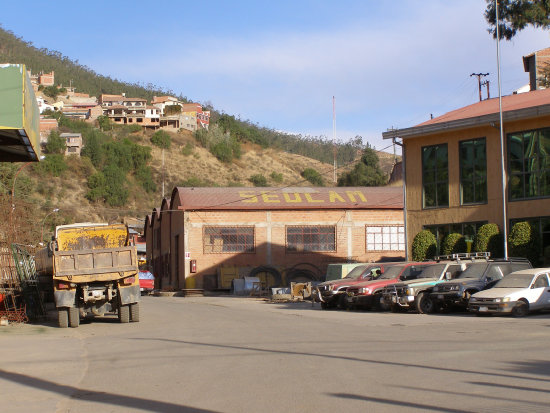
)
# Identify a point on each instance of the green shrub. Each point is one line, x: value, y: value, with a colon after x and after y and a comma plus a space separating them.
x: 187, y: 149
x: 53, y: 164
x: 161, y: 139
x: 258, y: 180
x: 523, y: 241
x: 453, y: 244
x: 193, y: 181
x: 55, y: 144
x: 424, y: 246
x: 313, y: 176
x: 201, y: 136
x: 489, y: 239
x: 277, y: 177
x: 144, y: 177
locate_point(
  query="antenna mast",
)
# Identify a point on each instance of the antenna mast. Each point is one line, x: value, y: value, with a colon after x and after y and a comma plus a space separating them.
x: 334, y: 137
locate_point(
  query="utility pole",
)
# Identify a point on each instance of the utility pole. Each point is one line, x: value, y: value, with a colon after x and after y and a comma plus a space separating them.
x: 479, y: 76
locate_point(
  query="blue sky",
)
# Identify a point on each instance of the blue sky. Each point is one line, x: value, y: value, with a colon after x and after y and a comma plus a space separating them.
x: 278, y: 64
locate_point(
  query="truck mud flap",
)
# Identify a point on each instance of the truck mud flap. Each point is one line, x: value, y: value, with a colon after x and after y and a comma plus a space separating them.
x: 129, y: 295
x: 64, y: 298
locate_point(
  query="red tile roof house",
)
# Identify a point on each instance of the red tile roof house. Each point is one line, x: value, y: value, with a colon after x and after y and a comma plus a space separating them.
x: 453, y: 175
x: 292, y: 231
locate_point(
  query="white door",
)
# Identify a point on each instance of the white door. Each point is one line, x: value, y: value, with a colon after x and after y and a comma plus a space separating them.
x: 539, y: 297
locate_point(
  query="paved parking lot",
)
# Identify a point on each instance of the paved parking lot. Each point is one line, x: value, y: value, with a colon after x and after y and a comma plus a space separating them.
x: 226, y: 354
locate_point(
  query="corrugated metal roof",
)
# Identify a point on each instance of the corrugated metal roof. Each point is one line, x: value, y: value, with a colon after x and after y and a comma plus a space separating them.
x: 514, y: 107
x: 288, y: 198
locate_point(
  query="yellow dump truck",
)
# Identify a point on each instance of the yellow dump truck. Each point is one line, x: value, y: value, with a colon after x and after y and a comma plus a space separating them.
x: 94, y: 270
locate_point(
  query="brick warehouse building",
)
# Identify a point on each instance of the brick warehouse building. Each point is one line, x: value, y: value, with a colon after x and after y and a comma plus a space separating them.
x: 201, y: 231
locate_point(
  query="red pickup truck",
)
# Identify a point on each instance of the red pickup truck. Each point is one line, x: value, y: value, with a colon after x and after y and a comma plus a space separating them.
x: 367, y: 294
x: 332, y: 293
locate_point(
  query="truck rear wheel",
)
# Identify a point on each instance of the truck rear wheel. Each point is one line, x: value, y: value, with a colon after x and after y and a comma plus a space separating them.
x: 74, y: 317
x: 63, y: 317
x: 134, y: 312
x: 124, y: 314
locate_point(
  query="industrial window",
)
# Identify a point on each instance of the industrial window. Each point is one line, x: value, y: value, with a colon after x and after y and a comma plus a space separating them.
x: 435, y: 176
x: 385, y: 238
x: 529, y: 164
x: 310, y: 238
x: 228, y: 239
x: 473, y: 171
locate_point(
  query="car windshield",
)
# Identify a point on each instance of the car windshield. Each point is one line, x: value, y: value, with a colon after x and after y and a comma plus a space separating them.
x: 474, y: 270
x: 356, y: 272
x: 392, y: 272
x: 432, y: 271
x: 515, y: 281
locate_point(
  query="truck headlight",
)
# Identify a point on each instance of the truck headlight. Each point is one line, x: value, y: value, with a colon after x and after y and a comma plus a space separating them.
x: 506, y: 299
x: 410, y: 291
x: 364, y: 290
x: 330, y: 287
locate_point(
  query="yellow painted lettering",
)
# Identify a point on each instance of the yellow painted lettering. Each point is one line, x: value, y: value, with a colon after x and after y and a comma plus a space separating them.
x: 272, y: 198
x: 310, y: 199
x: 248, y: 196
x: 351, y: 196
x: 297, y: 197
x: 334, y: 196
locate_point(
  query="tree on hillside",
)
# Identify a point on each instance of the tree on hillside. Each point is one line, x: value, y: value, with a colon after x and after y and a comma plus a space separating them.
x: 367, y: 172
x: 55, y: 144
x: 516, y: 15
x: 161, y: 139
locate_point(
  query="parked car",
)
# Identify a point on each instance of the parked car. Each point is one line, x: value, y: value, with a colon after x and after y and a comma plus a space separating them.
x: 337, y: 271
x: 146, y: 282
x: 332, y: 293
x: 479, y: 276
x: 415, y: 294
x: 517, y: 293
x: 368, y: 294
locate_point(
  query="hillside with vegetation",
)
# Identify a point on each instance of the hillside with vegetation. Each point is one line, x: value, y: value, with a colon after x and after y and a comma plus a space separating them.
x: 124, y: 171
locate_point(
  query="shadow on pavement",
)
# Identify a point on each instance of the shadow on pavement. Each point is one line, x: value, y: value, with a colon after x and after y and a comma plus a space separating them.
x: 105, y: 398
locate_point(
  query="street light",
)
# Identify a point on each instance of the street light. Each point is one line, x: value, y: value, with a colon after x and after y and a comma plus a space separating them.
x: 44, y: 221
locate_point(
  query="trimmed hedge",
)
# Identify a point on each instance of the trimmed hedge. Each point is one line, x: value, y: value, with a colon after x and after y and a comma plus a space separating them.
x: 453, y: 243
x: 489, y: 239
x: 523, y: 241
x: 423, y: 246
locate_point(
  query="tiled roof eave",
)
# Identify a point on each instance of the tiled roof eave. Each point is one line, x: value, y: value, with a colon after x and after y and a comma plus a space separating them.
x: 484, y: 120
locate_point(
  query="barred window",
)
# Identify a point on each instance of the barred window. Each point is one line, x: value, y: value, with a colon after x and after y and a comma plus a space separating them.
x: 311, y: 238
x: 389, y: 238
x: 228, y: 239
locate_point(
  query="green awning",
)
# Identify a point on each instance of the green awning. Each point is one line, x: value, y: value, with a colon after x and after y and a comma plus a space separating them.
x: 19, y: 116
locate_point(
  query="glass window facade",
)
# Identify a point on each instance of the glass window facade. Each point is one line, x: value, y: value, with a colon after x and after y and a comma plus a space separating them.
x: 540, y: 224
x: 473, y: 171
x: 310, y: 238
x: 468, y: 229
x: 529, y: 164
x: 435, y: 176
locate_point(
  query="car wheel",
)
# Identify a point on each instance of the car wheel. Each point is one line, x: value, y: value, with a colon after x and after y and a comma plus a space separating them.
x: 521, y: 309
x: 134, y: 312
x: 63, y: 317
x: 343, y: 302
x: 74, y: 317
x: 424, y: 304
x: 124, y: 314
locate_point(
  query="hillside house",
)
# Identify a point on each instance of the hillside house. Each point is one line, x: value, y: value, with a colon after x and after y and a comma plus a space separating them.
x: 73, y: 142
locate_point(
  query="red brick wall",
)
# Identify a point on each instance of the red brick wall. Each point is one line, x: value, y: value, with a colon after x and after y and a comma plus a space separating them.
x: 350, y: 225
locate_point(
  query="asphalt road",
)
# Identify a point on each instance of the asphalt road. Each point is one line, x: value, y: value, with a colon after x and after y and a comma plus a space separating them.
x: 226, y: 354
